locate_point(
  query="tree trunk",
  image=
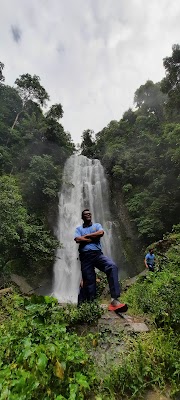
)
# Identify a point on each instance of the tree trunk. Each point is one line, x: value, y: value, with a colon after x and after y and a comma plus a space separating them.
x: 14, y: 124
x: 16, y: 119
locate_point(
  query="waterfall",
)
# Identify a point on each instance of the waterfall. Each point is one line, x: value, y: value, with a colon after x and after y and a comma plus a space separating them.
x: 84, y: 186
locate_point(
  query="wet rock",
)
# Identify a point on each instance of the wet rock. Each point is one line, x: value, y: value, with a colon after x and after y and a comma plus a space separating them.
x: 127, y: 322
x: 139, y: 327
x: 20, y: 281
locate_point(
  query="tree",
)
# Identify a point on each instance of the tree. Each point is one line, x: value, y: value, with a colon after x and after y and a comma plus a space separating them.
x: 171, y: 83
x: 13, y: 216
x: 129, y: 116
x: 10, y: 104
x: 55, y: 112
x: 21, y: 236
x: 33, y: 150
x: 42, y: 182
x: 87, y: 145
x: 149, y: 98
x: 30, y: 89
x: 141, y: 156
x: 5, y: 160
x: 31, y: 134
x: 1, y: 72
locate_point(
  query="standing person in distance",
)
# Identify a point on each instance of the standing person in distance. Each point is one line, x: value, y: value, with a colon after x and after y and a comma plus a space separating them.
x: 88, y: 237
x: 149, y: 260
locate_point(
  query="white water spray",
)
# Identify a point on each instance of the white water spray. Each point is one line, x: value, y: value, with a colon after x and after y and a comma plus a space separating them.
x: 85, y: 186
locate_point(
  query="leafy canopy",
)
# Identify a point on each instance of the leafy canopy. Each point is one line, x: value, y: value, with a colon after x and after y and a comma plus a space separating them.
x: 29, y: 88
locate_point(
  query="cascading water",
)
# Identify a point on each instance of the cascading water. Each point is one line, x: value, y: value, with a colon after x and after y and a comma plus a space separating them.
x: 85, y: 186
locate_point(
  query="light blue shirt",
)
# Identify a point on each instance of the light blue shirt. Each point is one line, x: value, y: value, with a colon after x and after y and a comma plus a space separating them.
x: 150, y: 259
x: 80, y: 231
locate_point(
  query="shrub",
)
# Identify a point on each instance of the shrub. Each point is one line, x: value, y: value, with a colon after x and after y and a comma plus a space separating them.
x: 158, y: 293
x: 153, y: 359
x: 39, y: 358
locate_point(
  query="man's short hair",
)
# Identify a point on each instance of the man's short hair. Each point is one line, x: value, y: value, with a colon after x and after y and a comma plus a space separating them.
x: 86, y: 209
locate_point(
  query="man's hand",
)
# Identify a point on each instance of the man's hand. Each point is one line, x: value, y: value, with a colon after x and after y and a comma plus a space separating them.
x: 82, y: 239
x: 95, y: 235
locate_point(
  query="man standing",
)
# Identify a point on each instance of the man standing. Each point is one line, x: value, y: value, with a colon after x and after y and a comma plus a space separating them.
x: 149, y: 260
x: 88, y: 237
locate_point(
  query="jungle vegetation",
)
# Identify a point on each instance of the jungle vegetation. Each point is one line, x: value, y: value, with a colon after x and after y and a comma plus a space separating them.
x: 33, y: 149
x: 45, y: 351
x: 141, y: 153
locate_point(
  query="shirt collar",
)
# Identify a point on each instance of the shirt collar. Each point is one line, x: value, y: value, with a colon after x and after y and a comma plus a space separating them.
x: 87, y: 226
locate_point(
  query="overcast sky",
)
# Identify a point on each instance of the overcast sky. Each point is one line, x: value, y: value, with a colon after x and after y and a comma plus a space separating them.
x: 91, y: 55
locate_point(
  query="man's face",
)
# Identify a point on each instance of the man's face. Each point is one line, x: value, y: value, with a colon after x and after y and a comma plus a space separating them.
x: 151, y: 251
x: 86, y: 216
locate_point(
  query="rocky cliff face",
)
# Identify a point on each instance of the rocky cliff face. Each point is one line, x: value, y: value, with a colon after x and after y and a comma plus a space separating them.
x: 126, y: 236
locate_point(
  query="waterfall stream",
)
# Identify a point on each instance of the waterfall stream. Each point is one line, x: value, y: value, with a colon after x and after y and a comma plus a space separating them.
x: 84, y: 186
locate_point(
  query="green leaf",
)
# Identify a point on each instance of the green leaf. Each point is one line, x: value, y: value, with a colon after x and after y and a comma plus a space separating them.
x: 50, y: 300
x: 82, y: 380
x: 73, y: 391
x: 42, y: 361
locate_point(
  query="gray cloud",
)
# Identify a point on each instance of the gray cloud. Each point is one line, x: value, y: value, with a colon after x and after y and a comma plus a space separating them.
x: 16, y: 33
x: 91, y: 55
x: 60, y: 48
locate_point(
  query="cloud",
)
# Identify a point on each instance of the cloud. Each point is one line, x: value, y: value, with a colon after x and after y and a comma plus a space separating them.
x: 91, y: 55
x: 60, y: 48
x: 16, y: 33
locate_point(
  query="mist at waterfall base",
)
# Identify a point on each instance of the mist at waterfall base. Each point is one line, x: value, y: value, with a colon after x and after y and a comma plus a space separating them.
x: 84, y: 186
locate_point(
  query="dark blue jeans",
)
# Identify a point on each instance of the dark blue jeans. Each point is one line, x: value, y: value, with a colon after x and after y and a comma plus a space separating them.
x: 96, y: 259
x: 151, y: 267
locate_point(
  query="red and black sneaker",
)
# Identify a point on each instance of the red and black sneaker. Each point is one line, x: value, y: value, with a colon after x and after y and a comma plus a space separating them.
x: 116, y: 305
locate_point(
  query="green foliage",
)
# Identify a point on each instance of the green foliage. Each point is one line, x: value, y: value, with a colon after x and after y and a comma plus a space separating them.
x: 87, y: 145
x: 126, y: 188
x: 41, y: 356
x: 87, y: 312
x: 152, y: 359
x: 5, y: 160
x: 10, y: 106
x: 41, y: 359
x: 170, y: 84
x: 55, y: 112
x: 55, y: 134
x: 158, y: 293
x: 141, y: 155
x: 29, y: 88
x: 149, y: 99
x: 33, y: 150
x: 21, y: 235
x: 43, y: 181
x: 37, y: 244
x: 13, y: 215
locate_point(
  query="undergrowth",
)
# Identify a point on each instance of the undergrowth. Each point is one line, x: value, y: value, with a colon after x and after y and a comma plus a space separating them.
x: 153, y: 359
x: 158, y: 293
x: 41, y: 356
x: 40, y: 359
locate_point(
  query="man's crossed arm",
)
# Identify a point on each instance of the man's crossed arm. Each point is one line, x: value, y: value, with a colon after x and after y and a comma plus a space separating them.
x: 90, y: 237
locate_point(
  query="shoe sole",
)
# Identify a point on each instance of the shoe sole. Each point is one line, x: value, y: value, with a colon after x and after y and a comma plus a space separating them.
x: 120, y: 307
